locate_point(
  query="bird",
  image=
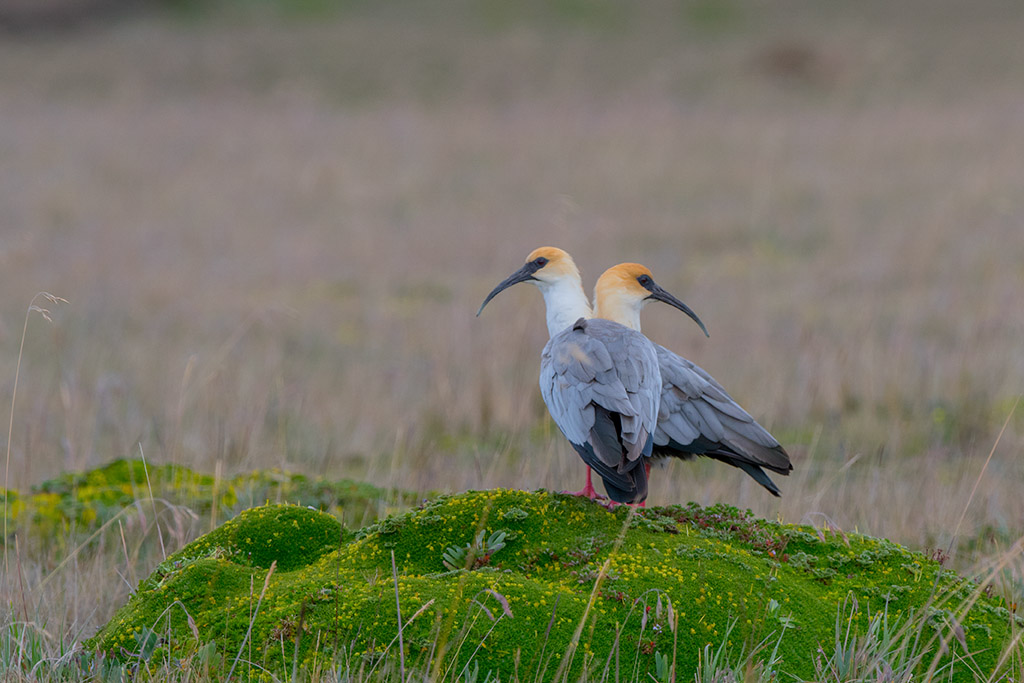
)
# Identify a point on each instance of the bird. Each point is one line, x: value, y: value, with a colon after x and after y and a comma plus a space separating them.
x: 697, y: 416
x: 555, y: 274
x: 599, y: 379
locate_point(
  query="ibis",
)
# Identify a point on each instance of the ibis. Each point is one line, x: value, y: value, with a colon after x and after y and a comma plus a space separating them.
x: 697, y: 416
x: 599, y: 379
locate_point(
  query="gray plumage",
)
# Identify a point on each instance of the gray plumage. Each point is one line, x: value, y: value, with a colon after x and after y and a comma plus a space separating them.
x: 602, y: 385
x: 698, y: 417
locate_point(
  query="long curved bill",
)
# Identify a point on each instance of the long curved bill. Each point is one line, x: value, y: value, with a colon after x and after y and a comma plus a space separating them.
x: 659, y: 294
x: 524, y: 274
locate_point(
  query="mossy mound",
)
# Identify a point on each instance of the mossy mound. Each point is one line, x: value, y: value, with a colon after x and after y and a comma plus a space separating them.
x: 83, y: 502
x: 573, y: 583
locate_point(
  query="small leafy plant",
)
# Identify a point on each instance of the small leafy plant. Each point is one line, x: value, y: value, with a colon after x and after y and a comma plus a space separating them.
x: 775, y: 612
x: 476, y: 554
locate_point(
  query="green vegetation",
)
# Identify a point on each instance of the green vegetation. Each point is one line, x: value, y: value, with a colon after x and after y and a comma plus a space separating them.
x: 76, y: 503
x: 563, y: 586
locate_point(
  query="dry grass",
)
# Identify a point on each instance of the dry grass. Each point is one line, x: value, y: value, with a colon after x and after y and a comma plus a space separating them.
x: 274, y: 235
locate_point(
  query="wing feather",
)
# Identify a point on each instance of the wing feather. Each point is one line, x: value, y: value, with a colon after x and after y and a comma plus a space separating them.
x: 697, y: 416
x: 602, y: 385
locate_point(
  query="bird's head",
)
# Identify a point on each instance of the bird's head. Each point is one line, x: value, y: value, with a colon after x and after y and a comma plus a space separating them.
x: 623, y: 290
x: 545, y: 267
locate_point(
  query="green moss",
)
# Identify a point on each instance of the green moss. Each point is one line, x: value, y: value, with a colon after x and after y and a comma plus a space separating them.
x: 716, y: 567
x: 83, y: 502
x: 288, y: 535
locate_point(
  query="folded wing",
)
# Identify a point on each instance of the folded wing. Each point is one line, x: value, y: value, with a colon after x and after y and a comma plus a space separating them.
x: 698, y: 417
x: 602, y: 385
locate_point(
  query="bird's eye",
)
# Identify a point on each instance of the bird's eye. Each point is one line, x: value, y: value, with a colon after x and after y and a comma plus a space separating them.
x: 644, y: 280
x: 540, y: 262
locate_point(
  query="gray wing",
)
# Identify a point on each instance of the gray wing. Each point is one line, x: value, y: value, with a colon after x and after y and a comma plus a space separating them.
x: 601, y: 380
x: 698, y: 417
x: 635, y: 359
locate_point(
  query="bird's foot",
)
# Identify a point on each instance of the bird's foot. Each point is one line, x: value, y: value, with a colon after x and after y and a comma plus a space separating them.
x: 587, y: 491
x: 604, y: 501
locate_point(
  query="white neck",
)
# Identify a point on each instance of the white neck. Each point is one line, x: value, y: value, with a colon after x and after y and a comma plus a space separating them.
x: 566, y: 303
x: 611, y: 306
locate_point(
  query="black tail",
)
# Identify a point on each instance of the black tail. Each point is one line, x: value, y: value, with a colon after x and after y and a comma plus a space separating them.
x: 638, y: 492
x: 707, y: 449
x: 624, y: 480
x: 622, y: 487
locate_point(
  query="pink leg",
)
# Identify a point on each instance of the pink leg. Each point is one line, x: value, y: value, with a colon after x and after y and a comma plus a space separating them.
x: 588, y: 489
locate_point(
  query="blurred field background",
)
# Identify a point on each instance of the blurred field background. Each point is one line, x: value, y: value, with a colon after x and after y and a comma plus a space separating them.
x: 274, y: 222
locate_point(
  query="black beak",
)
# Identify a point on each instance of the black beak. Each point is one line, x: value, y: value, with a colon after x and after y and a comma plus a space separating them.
x: 522, y: 275
x: 659, y: 294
